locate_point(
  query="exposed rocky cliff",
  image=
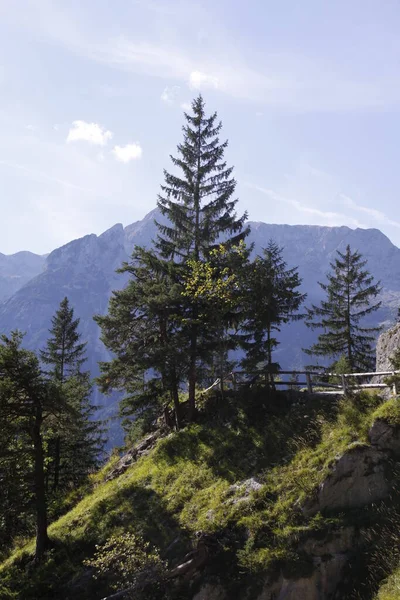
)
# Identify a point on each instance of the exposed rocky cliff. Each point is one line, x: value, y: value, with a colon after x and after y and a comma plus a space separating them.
x: 387, y: 343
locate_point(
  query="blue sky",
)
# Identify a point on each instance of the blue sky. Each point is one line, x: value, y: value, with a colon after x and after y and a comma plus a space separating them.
x: 92, y: 96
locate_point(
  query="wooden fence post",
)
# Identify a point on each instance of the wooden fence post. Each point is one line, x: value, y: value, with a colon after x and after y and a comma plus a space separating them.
x: 394, y: 384
x: 309, y: 383
x: 344, y: 384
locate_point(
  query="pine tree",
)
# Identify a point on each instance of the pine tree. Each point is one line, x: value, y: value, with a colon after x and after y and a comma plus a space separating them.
x: 64, y: 353
x: 350, y: 291
x: 272, y: 299
x: 27, y: 398
x: 143, y: 329
x: 74, y: 440
x: 200, y: 209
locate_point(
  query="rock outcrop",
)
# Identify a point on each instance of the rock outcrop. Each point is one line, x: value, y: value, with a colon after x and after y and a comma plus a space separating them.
x: 387, y: 343
x: 357, y: 478
x: 134, y: 454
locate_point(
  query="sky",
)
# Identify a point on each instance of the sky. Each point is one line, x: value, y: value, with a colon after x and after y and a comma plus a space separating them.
x: 92, y: 96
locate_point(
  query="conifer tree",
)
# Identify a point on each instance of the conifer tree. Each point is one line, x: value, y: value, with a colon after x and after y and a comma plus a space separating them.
x: 27, y: 398
x: 199, y: 205
x: 64, y: 353
x: 143, y: 329
x: 73, y: 439
x: 349, y: 298
x: 272, y: 299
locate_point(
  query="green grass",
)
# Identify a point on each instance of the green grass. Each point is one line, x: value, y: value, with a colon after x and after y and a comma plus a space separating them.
x: 184, y: 485
x: 389, y: 412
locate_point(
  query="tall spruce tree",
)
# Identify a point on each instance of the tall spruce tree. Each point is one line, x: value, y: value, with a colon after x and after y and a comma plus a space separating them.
x: 272, y: 299
x: 74, y: 439
x: 27, y: 399
x: 350, y: 293
x: 200, y: 208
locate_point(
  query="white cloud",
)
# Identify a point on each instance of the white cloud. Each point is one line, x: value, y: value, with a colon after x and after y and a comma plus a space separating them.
x: 127, y: 153
x: 199, y: 81
x: 89, y: 132
x: 187, y: 107
x: 40, y: 176
x: 170, y: 94
x: 377, y: 215
x: 320, y: 217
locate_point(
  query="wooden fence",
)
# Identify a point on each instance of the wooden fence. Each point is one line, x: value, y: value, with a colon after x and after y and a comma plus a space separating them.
x: 311, y: 381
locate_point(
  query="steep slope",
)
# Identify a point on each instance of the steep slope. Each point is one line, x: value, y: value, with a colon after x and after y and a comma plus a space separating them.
x: 16, y: 270
x: 284, y: 497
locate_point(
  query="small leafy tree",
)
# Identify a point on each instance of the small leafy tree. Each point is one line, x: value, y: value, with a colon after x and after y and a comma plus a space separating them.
x: 217, y: 286
x: 349, y: 298
x: 127, y: 562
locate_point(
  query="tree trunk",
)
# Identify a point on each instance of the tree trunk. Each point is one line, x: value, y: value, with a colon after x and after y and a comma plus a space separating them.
x: 192, y: 377
x: 175, y: 397
x: 271, y: 383
x: 192, y: 367
x: 42, y: 540
x: 56, y: 464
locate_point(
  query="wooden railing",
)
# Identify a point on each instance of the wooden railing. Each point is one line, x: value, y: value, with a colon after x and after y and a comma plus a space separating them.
x: 312, y: 380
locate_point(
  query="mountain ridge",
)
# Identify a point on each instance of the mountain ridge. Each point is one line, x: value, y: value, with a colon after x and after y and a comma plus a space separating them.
x: 85, y: 271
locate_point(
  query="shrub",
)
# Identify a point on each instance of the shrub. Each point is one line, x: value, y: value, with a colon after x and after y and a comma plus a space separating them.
x: 126, y: 561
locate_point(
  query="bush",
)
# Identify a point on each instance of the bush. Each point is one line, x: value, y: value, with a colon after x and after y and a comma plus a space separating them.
x: 126, y: 561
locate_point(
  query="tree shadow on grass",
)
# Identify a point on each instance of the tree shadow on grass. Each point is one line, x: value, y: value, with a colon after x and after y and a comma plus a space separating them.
x: 238, y: 437
x: 62, y: 574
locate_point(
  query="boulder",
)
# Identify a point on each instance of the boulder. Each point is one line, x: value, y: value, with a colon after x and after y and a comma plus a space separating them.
x: 211, y: 592
x: 242, y: 490
x: 358, y: 478
x: 142, y: 448
x: 328, y: 556
x: 385, y: 436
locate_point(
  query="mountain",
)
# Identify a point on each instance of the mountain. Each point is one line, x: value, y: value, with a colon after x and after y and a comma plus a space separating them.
x: 84, y: 270
x: 16, y: 270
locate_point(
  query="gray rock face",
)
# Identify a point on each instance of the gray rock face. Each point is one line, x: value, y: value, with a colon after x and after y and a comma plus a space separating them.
x: 387, y: 343
x: 328, y: 558
x: 386, y: 437
x: 16, y: 270
x: 359, y: 477
x: 211, y: 592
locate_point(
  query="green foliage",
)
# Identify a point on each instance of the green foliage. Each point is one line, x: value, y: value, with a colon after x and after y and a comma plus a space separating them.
x: 64, y: 353
x: 73, y: 439
x: 271, y: 298
x: 200, y: 211
x: 185, y: 485
x: 143, y: 329
x: 349, y: 292
x: 389, y: 412
x: 27, y: 398
x: 126, y: 561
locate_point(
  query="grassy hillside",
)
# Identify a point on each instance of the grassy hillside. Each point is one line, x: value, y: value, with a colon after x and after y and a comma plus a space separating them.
x: 240, y: 474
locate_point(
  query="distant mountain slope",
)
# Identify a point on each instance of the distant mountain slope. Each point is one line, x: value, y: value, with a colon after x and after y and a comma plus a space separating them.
x: 84, y: 270
x: 16, y: 270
